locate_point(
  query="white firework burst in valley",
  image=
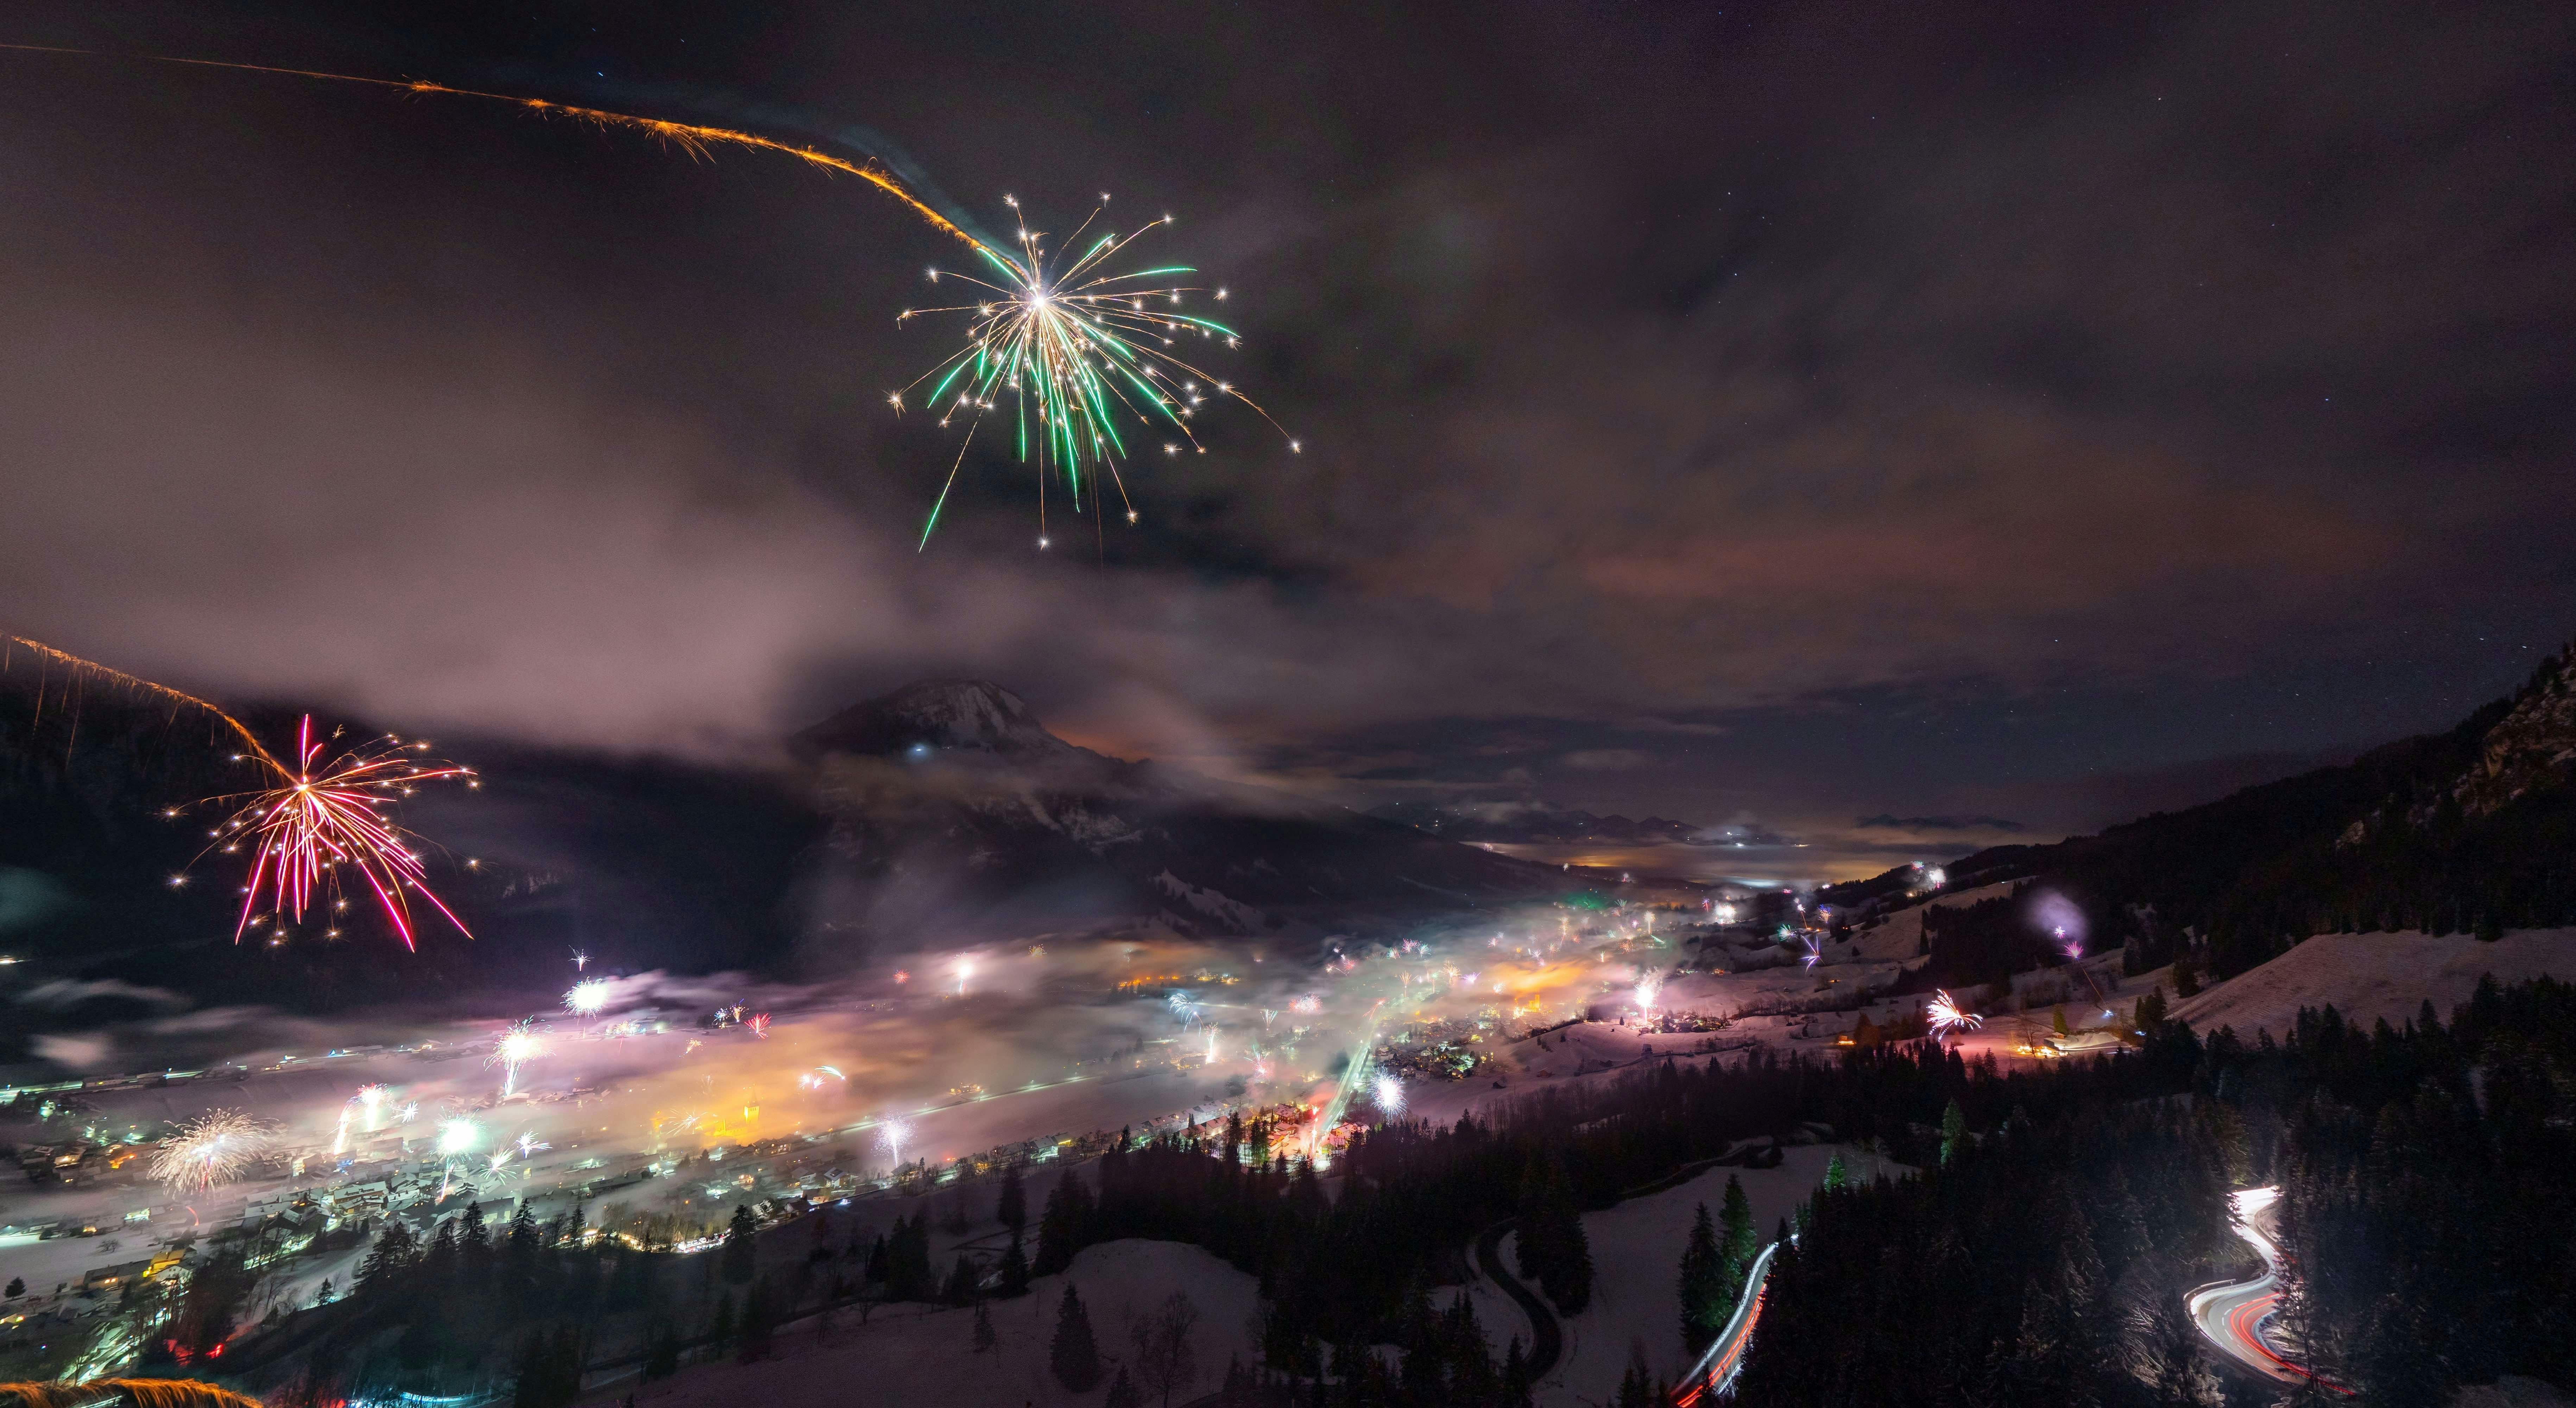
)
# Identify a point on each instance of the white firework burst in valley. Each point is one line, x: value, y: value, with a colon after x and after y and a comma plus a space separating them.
x: 1946, y: 1016
x: 212, y: 1148
x: 892, y: 1135
x: 1389, y: 1092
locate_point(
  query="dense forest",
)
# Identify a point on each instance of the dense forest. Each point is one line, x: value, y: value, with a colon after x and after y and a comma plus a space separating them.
x: 2423, y: 1171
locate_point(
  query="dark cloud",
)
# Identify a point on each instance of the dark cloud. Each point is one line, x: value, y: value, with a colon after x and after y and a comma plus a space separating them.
x: 1829, y: 408
x: 1885, y: 822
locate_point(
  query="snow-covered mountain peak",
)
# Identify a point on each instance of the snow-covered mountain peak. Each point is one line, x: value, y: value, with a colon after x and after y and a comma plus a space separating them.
x: 937, y: 716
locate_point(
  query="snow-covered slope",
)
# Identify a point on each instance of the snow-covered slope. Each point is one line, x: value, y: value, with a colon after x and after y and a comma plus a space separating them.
x: 2369, y: 976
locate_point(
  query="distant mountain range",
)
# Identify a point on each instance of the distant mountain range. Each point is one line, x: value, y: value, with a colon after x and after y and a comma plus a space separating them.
x: 1537, y: 823
x: 948, y: 802
x: 941, y: 813
x: 2469, y: 830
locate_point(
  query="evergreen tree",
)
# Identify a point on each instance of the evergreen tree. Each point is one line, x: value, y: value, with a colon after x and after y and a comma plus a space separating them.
x: 1516, y: 1376
x: 2186, y: 977
x: 1073, y: 1355
x: 983, y: 1328
x: 741, y: 1246
x: 1740, y: 1240
x: 1013, y: 1206
x: 960, y: 1289
x: 2057, y: 1021
x: 720, y: 1332
x: 1122, y: 1392
x: 1015, y: 1270
x: 759, y: 1321
x: 389, y: 1258
x: 2150, y: 1012
x: 662, y: 1353
x: 1837, y: 1175
x: 1055, y: 1227
x: 1954, y: 1132
x: 1636, y: 1386
x: 1704, y: 1292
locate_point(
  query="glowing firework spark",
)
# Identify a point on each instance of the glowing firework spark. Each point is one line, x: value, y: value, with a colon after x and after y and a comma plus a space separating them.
x: 210, y: 1149
x: 1815, y: 951
x: 1389, y: 1093
x: 587, y: 997
x: 371, y: 1099
x: 1945, y: 1016
x: 965, y: 970
x: 517, y: 1046
x: 1307, y: 1005
x: 458, y: 1136
x: 759, y: 1025
x: 2073, y: 948
x: 1649, y: 988
x: 580, y: 960
x: 1081, y: 352
x: 316, y: 818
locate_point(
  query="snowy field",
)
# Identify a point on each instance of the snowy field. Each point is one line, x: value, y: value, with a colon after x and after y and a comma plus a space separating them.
x: 2370, y: 976
x: 924, y: 1357
x: 1636, y: 1259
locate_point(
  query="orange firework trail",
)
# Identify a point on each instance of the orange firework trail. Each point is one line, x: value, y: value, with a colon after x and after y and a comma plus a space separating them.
x: 308, y: 822
x: 92, y: 668
x: 696, y: 140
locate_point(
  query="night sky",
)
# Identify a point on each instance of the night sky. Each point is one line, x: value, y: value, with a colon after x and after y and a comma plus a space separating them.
x: 1780, y: 413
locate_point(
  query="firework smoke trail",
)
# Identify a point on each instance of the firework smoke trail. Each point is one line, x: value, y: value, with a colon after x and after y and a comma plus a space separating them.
x: 313, y: 820
x: 1080, y: 350
x: 517, y: 1046
x: 1946, y: 1016
x: 210, y: 1149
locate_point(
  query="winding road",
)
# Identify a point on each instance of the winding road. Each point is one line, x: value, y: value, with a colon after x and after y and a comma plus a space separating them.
x: 2231, y: 1314
x: 1715, y: 1372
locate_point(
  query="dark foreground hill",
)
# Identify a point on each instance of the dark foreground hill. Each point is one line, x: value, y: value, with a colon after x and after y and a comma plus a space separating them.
x: 943, y: 813
x: 2470, y: 830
